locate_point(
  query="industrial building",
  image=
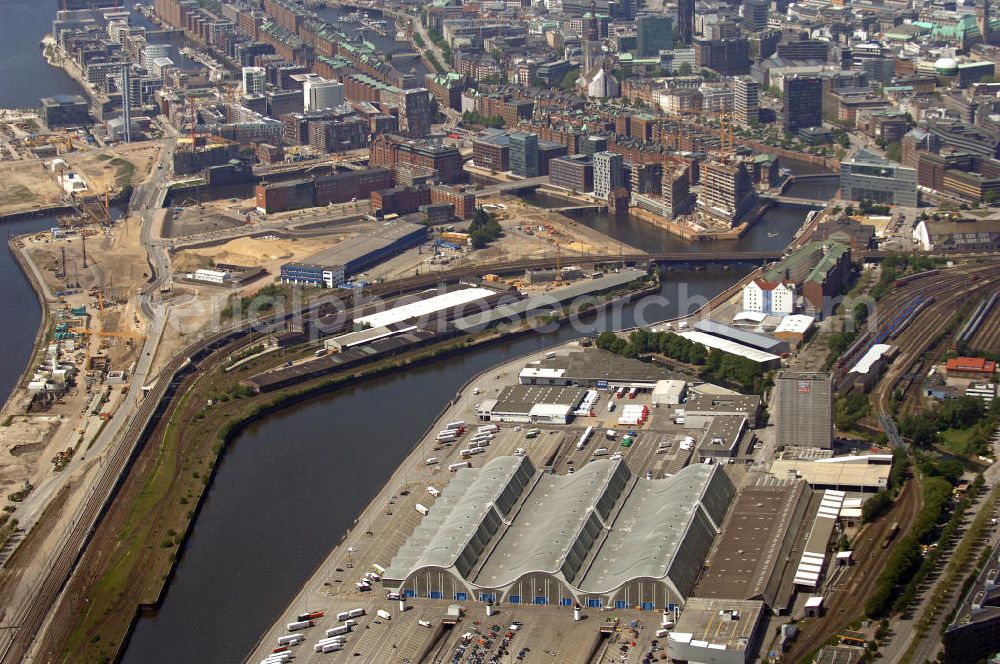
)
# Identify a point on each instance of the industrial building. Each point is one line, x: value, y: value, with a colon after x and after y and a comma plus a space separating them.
x: 865, y: 373
x: 820, y: 269
x: 866, y: 473
x: 669, y: 392
x: 386, y: 239
x: 593, y: 368
x: 728, y: 346
x: 601, y: 537
x: 941, y: 235
x: 754, y: 558
x: 769, y: 297
x: 744, y: 337
x: 725, y: 437
x: 456, y: 303
x: 717, y: 631
x: 702, y: 407
x: 803, y: 409
x: 532, y: 403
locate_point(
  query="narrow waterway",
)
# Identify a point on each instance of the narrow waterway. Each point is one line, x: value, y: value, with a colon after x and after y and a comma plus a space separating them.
x: 25, y: 77
x: 291, y: 485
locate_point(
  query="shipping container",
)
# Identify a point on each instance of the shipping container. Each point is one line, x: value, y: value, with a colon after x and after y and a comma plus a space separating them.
x: 311, y: 615
x: 420, y: 508
x: 355, y: 613
x: 383, y: 614
x: 338, y: 630
x: 549, y: 355
x: 299, y: 624
x: 393, y: 596
x: 291, y: 639
x: 456, y: 425
x: 662, y: 633
x: 631, y: 393
x: 532, y: 433
x: 446, y: 436
x: 343, y: 615
x: 337, y: 639
x: 611, y: 406
x: 431, y: 461
x: 378, y: 569
x: 455, y: 466
x: 434, y: 492
x: 489, y: 428
x: 329, y: 647
x: 601, y: 451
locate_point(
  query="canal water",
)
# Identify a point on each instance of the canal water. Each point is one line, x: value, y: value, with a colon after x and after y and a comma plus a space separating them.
x: 24, y: 75
x: 386, y: 44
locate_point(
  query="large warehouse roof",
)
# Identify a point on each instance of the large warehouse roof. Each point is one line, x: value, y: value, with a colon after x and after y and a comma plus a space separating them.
x: 469, y: 506
x: 594, y: 530
x: 727, y: 346
x: 426, y: 307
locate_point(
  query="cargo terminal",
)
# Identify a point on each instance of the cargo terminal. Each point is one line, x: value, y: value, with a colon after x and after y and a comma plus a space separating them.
x: 588, y: 532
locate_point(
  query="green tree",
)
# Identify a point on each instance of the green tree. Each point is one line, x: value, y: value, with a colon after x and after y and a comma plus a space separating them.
x: 894, y: 151
x: 569, y: 80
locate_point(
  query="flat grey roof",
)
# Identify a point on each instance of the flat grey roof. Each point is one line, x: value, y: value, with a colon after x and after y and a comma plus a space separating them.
x: 593, y: 364
x: 722, y: 403
x: 379, y: 235
x: 746, y: 554
x: 752, y: 339
x: 707, y: 620
x: 521, y: 398
x: 724, y: 432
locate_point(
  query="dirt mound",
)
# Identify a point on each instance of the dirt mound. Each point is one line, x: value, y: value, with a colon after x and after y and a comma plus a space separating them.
x: 245, y: 251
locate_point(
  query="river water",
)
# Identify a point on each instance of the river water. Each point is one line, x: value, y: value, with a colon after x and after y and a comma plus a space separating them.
x: 291, y: 485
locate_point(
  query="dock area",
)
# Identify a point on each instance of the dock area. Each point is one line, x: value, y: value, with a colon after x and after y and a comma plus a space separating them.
x: 542, y: 631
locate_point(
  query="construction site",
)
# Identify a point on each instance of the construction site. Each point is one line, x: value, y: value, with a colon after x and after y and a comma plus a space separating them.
x: 74, y: 167
x: 89, y: 277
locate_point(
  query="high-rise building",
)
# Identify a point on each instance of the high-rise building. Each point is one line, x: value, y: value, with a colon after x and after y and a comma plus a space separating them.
x: 726, y: 189
x: 654, y: 32
x: 318, y: 93
x: 676, y: 191
x: 685, y: 21
x: 416, y: 110
x: 524, y: 154
x: 803, y: 409
x: 125, y: 86
x: 609, y: 173
x: 746, y: 100
x: 755, y: 15
x: 254, y: 80
x: 803, y: 102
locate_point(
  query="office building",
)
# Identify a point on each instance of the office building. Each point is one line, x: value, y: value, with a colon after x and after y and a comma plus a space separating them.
x: 654, y: 32
x: 65, y: 111
x: 685, y: 21
x: 254, y: 80
x: 803, y: 409
x: 676, y: 187
x: 803, y: 103
x: 417, y: 108
x: 865, y: 175
x: 573, y: 172
x: 755, y: 15
x: 319, y: 93
x: 524, y: 154
x: 746, y: 100
x: 593, y: 144
x: 728, y: 57
x: 125, y: 87
x: 609, y: 174
x: 726, y: 190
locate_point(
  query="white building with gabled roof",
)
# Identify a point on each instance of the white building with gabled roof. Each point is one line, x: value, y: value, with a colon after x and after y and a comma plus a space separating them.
x: 769, y: 297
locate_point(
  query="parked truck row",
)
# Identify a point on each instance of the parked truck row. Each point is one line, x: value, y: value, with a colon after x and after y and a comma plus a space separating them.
x: 335, y: 639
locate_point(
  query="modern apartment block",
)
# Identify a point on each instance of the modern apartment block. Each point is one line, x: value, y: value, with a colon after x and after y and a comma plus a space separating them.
x: 609, y: 173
